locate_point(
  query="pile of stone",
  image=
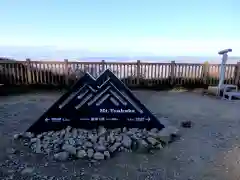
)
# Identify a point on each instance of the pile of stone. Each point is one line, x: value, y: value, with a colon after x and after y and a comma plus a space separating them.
x: 97, y: 144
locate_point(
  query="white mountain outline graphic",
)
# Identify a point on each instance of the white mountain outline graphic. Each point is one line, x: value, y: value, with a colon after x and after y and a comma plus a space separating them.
x: 114, y: 95
x: 71, y: 96
x: 114, y: 92
x: 84, y: 96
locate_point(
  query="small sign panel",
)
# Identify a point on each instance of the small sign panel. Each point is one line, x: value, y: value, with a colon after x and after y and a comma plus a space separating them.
x: 90, y: 103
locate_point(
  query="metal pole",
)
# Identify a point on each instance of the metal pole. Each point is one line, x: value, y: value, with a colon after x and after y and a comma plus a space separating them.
x: 224, y: 54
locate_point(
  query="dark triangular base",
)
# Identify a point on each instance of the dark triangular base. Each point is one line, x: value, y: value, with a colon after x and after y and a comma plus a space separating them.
x: 91, y: 103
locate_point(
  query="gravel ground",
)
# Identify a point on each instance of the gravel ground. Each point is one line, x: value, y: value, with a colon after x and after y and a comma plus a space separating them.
x: 209, y: 150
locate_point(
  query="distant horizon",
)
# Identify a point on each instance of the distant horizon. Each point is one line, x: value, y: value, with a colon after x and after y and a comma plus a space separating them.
x: 153, y: 59
x: 48, y: 53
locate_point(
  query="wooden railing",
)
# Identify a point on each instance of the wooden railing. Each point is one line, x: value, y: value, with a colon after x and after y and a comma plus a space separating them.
x: 133, y: 74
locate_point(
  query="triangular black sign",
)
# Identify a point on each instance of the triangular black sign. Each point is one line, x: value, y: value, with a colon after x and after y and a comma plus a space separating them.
x: 91, y: 103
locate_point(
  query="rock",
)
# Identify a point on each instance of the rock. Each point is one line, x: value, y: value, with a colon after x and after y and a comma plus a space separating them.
x: 88, y: 144
x: 166, y: 134
x: 143, y: 142
x: 81, y: 153
x: 101, y: 131
x: 90, y: 153
x: 159, y: 146
x: 67, y: 135
x: 134, y: 145
x: 45, y: 144
x: 33, y: 140
x: 154, y: 130
x: 79, y: 142
x: 129, y: 133
x: 62, y: 133
x: 116, y: 131
x: 124, y: 130
x: 114, y: 147
x: 56, y: 148
x: 38, y: 146
x: 96, y: 144
x: 144, y: 131
x: 98, y: 156
x: 111, y: 138
x: 50, y: 133
x: 62, y: 156
x: 39, y: 136
x: 56, y: 133
x: 140, y: 135
x: 126, y: 141
x: 74, y: 133
x: 152, y: 141
x: 101, y: 140
x: 69, y: 148
x: 106, y: 154
x: 134, y: 130
x: 48, y: 150
x: 100, y: 147
x: 57, y: 141
x: 93, y: 138
x: 44, y: 133
x: 71, y: 141
x: 152, y: 134
x: 134, y: 137
x: 27, y: 171
x: 118, y: 138
x: 68, y: 129
x: 17, y: 136
x: 28, y: 135
x: 142, y: 146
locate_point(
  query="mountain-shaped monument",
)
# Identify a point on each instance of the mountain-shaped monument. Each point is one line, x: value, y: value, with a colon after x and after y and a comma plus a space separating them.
x: 90, y: 103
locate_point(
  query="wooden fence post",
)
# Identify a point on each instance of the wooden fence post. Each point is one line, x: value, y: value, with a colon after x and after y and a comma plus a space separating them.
x: 29, y: 72
x: 205, y: 73
x: 237, y: 73
x: 172, y: 72
x: 103, y: 65
x: 66, y: 72
x: 138, y: 71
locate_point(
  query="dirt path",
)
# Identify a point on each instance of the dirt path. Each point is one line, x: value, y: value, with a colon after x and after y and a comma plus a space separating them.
x: 209, y: 150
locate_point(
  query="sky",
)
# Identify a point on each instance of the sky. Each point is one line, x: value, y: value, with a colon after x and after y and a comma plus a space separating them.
x: 120, y: 27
